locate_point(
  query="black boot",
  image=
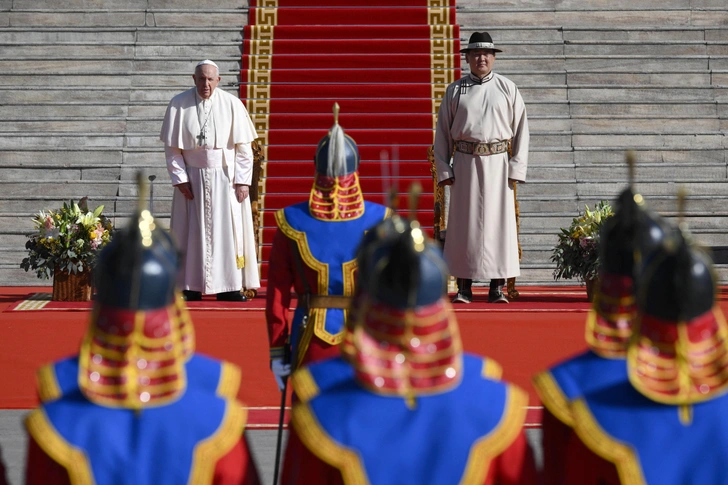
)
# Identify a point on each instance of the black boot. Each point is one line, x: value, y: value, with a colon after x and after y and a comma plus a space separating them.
x: 495, y: 293
x: 465, y: 291
x: 231, y: 296
x: 190, y: 295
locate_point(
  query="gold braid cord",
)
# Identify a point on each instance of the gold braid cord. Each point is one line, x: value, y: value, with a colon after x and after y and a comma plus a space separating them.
x: 439, y: 220
x: 511, y: 283
x: 254, y: 195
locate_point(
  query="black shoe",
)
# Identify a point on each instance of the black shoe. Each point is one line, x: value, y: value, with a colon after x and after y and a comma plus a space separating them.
x: 231, y: 296
x: 462, y: 298
x: 189, y: 295
x: 495, y: 293
x: 465, y: 292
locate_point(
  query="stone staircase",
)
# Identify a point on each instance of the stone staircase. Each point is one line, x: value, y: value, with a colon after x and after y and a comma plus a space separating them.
x: 599, y: 80
x: 83, y: 91
x: 83, y: 88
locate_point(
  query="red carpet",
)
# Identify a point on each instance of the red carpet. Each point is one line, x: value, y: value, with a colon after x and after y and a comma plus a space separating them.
x: 524, y: 337
x: 385, y: 62
x: 513, y: 338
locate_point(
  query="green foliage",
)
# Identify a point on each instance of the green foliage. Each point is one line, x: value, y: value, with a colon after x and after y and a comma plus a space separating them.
x: 68, y: 238
x: 577, y: 253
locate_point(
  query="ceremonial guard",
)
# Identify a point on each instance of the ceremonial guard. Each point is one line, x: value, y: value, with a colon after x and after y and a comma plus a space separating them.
x: 628, y: 240
x: 403, y: 403
x: 137, y: 405
x: 662, y: 418
x: 314, y: 252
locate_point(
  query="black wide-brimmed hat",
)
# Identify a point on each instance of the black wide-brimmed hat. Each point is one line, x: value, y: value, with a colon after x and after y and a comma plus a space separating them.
x: 480, y: 40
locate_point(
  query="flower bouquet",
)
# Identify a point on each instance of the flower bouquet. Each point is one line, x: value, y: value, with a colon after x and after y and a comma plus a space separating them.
x: 577, y: 253
x: 66, y: 243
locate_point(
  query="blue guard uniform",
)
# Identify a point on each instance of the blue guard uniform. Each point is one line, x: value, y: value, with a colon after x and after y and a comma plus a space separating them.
x: 403, y: 403
x: 314, y: 253
x: 662, y: 418
x: 628, y: 239
x: 136, y: 405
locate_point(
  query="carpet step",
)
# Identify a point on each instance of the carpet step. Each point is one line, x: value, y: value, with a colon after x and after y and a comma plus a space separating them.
x: 355, y: 104
x: 327, y: 61
x: 350, y: 46
x: 340, y: 32
x: 282, y: 137
x: 354, y: 16
x: 349, y: 121
x: 359, y: 76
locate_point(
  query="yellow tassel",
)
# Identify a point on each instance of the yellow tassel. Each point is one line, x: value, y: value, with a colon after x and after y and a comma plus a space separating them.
x: 240, y: 260
x: 685, y: 412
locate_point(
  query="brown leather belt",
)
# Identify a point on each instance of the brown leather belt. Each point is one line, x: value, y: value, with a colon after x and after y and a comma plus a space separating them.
x: 482, y: 149
x: 329, y: 301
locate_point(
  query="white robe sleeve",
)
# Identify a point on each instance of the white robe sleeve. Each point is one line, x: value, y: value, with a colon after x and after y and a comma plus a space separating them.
x: 443, y: 139
x: 176, y: 165
x: 243, y: 164
x: 518, y: 163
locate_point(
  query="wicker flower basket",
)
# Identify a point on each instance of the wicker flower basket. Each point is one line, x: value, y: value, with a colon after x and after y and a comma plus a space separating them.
x: 72, y: 286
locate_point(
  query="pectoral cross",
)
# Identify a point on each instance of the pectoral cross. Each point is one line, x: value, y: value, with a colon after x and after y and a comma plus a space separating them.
x: 201, y: 138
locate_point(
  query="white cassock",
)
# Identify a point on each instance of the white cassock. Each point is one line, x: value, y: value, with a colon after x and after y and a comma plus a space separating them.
x: 214, y: 231
x: 481, y: 241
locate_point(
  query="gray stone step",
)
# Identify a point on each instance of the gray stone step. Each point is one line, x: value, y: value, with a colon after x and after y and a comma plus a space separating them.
x: 676, y: 155
x: 34, y: 52
x: 98, y: 124
x: 651, y: 140
x: 86, y: 125
x: 644, y: 108
x: 698, y: 78
x: 641, y: 48
x: 96, y: 95
x: 628, y: 17
x: 124, y: 17
x: 229, y: 65
x: 62, y: 158
x: 646, y: 33
x: 182, y: 35
x: 602, y: 124
x: 636, y: 93
x: 127, y: 4
x: 646, y: 173
x: 608, y: 63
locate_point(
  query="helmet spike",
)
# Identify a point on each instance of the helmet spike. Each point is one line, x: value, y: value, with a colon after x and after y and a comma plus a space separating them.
x: 336, y: 113
x: 414, y: 198
x: 631, y: 164
x: 682, y: 195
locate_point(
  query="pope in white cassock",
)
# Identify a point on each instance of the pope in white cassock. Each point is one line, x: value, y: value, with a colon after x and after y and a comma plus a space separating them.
x: 482, y: 125
x: 207, y: 135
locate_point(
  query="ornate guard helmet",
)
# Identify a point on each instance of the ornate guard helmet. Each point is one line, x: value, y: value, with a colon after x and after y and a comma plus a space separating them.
x: 336, y: 194
x: 631, y: 235
x: 679, y: 354
x: 403, y: 339
x: 140, y: 334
